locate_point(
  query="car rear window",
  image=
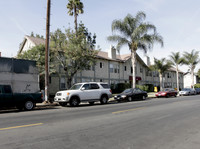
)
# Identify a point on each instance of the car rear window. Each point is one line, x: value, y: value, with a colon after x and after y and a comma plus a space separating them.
x: 106, y: 86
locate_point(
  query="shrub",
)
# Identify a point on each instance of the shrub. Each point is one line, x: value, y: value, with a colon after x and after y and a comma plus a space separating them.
x: 120, y: 87
x: 197, y: 85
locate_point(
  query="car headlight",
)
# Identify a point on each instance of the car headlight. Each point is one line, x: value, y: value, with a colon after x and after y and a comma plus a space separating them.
x: 163, y: 93
x: 115, y: 96
x: 123, y: 96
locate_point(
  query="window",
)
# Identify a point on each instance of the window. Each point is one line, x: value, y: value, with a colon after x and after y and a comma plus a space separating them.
x: 62, y: 83
x: 86, y: 86
x: 7, y: 89
x: 141, y: 70
x: 111, y: 68
x: 131, y: 69
x: 101, y: 65
x: 101, y: 80
x: 106, y: 86
x: 124, y: 68
x: 94, y: 86
x: 168, y: 75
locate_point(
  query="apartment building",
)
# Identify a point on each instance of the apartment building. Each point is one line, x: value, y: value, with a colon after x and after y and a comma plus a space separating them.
x: 113, y: 68
x: 110, y: 67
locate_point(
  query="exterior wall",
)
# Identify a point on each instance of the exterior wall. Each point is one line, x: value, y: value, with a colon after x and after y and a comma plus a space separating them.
x: 22, y: 75
x: 105, y: 74
x: 188, y: 80
x: 28, y: 45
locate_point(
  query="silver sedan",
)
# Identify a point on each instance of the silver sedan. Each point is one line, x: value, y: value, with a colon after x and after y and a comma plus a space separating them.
x: 187, y: 91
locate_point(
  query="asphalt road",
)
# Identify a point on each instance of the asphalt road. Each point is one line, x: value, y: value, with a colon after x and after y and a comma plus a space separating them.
x: 164, y: 123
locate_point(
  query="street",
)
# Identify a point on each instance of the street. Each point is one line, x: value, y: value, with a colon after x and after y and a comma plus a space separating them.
x: 157, y: 123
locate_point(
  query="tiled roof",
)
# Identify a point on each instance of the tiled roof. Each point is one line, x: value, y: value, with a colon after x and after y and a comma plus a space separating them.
x: 122, y: 58
x: 36, y: 40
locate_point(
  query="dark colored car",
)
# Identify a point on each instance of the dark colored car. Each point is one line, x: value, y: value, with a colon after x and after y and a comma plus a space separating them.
x: 167, y: 92
x: 25, y: 101
x: 197, y: 90
x: 131, y: 94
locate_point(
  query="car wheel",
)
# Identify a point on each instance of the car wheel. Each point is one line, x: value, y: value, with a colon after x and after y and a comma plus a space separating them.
x: 29, y: 105
x: 74, y: 102
x: 104, y: 99
x: 91, y: 103
x: 63, y: 104
x: 167, y: 95
x: 143, y: 97
x: 129, y: 99
x: 175, y: 95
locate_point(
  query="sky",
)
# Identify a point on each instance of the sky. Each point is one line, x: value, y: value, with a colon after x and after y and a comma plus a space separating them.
x: 177, y: 21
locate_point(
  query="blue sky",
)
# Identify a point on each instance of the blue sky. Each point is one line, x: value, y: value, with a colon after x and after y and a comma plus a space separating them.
x: 176, y: 20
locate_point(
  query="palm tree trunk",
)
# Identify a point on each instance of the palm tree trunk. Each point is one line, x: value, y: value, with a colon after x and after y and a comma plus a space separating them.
x: 161, y: 81
x: 177, y: 78
x: 75, y: 19
x: 192, y: 75
x: 133, y: 60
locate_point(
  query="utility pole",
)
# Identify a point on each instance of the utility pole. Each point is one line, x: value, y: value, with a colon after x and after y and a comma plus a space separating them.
x: 47, y: 51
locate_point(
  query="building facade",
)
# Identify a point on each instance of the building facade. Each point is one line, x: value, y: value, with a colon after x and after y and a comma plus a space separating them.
x: 113, y: 69
x: 110, y: 67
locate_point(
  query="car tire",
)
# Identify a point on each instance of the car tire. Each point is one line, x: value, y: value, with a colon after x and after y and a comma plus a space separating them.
x: 167, y: 96
x: 175, y: 95
x: 29, y: 105
x: 104, y: 100
x: 144, y: 97
x: 74, y: 102
x: 130, y: 99
x: 63, y: 104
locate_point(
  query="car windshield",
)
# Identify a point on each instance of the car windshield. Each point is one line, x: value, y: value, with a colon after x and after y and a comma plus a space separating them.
x: 185, y: 89
x: 166, y: 89
x: 127, y: 91
x: 76, y: 87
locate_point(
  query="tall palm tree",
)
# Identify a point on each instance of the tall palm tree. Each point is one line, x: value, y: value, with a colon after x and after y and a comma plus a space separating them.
x: 75, y: 7
x: 136, y: 34
x: 161, y: 66
x: 191, y: 59
x: 176, y: 60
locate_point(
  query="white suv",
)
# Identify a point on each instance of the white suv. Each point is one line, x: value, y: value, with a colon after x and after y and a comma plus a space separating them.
x: 84, y: 92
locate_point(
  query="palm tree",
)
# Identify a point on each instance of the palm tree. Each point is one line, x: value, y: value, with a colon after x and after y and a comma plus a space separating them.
x: 135, y: 33
x: 161, y: 66
x: 75, y: 7
x: 191, y: 59
x: 176, y: 60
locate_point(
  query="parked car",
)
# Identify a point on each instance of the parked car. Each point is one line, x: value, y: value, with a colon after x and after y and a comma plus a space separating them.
x: 187, y: 91
x: 21, y: 101
x: 131, y: 94
x: 197, y: 90
x: 84, y: 92
x: 167, y: 92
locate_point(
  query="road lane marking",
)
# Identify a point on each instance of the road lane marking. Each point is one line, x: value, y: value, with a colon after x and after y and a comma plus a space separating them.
x: 14, y: 127
x: 128, y: 110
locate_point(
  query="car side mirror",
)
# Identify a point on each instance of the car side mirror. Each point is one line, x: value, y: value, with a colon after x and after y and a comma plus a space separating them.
x: 83, y: 88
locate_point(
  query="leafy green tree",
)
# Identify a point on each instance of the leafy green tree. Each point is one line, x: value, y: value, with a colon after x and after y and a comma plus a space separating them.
x: 136, y: 34
x: 37, y: 54
x: 191, y: 59
x: 161, y: 66
x: 198, y: 73
x: 75, y: 51
x: 176, y: 60
x: 75, y: 7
